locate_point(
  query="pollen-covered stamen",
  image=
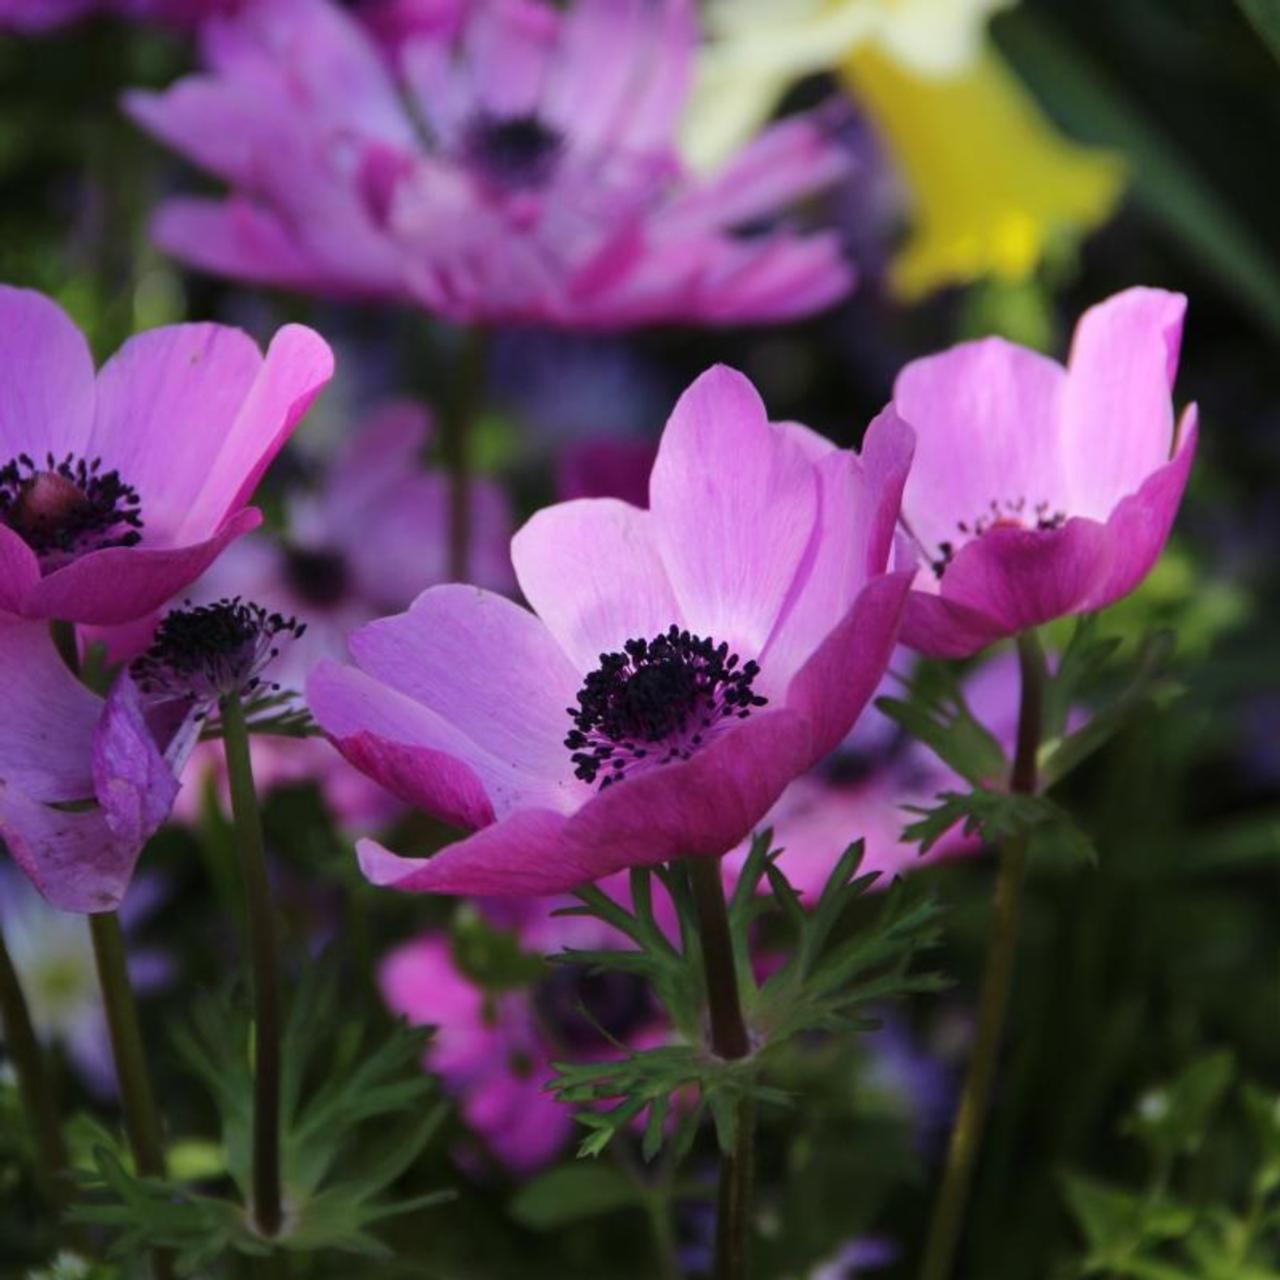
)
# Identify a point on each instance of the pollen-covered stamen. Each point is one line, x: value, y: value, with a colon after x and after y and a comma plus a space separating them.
x: 657, y: 701
x: 210, y: 651
x: 1011, y: 513
x: 64, y: 508
x: 519, y: 152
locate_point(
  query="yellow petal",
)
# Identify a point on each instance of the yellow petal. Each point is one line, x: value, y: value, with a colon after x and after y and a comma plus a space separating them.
x: 992, y: 181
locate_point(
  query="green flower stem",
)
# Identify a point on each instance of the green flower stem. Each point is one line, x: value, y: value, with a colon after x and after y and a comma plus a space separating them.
x: 456, y: 448
x: 267, y: 1206
x: 34, y: 1083
x: 997, y: 980
x: 729, y: 1040
x: 142, y: 1119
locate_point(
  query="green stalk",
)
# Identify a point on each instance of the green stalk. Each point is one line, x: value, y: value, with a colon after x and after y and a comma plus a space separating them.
x: 268, y: 1213
x: 456, y: 431
x: 729, y: 1040
x: 142, y: 1119
x: 34, y: 1083
x: 997, y: 981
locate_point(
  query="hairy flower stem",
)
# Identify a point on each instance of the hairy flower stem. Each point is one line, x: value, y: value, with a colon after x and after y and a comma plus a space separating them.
x: 267, y: 1205
x: 34, y: 1083
x: 142, y: 1118
x: 456, y: 448
x: 729, y: 1039
x: 997, y: 980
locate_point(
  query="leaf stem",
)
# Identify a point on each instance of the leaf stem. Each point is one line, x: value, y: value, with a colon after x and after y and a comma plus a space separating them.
x: 142, y: 1118
x: 456, y: 448
x: 267, y: 1208
x: 997, y: 980
x: 729, y: 1040
x: 34, y: 1082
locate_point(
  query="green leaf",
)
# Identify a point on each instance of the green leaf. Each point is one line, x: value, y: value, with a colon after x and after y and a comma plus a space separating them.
x: 570, y: 1193
x: 1265, y: 16
x: 1173, y: 1120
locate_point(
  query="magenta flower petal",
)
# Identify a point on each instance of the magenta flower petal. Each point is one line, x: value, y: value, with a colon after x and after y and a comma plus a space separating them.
x: 732, y: 545
x: 427, y: 779
x: 46, y: 378
x: 19, y: 571
x: 525, y: 853
x: 566, y: 560
x: 120, y: 584
x: 135, y: 785
x: 1140, y: 524
x: 835, y: 684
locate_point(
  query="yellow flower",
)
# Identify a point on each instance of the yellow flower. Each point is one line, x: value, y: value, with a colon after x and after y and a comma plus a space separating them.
x: 993, y: 184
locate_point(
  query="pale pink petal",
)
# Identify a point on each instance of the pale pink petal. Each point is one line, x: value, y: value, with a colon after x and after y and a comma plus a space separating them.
x: 859, y: 502
x: 1117, y: 408
x: 509, y: 45
x: 297, y: 366
x: 986, y: 418
x: 940, y: 627
x: 46, y: 379
x: 487, y: 666
x: 121, y: 584
x: 593, y: 573
x: 734, y: 504
x: 166, y: 400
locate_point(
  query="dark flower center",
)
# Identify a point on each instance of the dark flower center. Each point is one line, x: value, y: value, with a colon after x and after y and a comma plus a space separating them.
x: 582, y: 1010
x: 519, y: 152
x: 318, y: 576
x: 657, y: 701
x: 62, y: 509
x: 1015, y: 513
x: 213, y: 650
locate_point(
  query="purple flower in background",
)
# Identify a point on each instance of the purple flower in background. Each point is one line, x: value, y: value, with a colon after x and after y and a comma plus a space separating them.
x: 394, y: 22
x: 856, y: 1258
x: 494, y: 1050
x: 862, y: 791
x: 684, y: 662
x: 606, y: 469
x: 1039, y: 491
x: 369, y: 539
x: 525, y: 171
x: 53, y: 955
x: 118, y: 491
x: 83, y: 783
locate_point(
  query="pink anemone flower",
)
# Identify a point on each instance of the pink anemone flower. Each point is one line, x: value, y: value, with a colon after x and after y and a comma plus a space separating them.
x: 84, y: 782
x: 1040, y: 491
x: 525, y: 170
x: 682, y: 665
x: 118, y: 491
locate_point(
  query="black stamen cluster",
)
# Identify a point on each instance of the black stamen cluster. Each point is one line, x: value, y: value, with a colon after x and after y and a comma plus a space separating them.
x: 69, y: 506
x: 209, y: 651
x: 655, y: 701
x: 1010, y: 511
x: 519, y: 152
